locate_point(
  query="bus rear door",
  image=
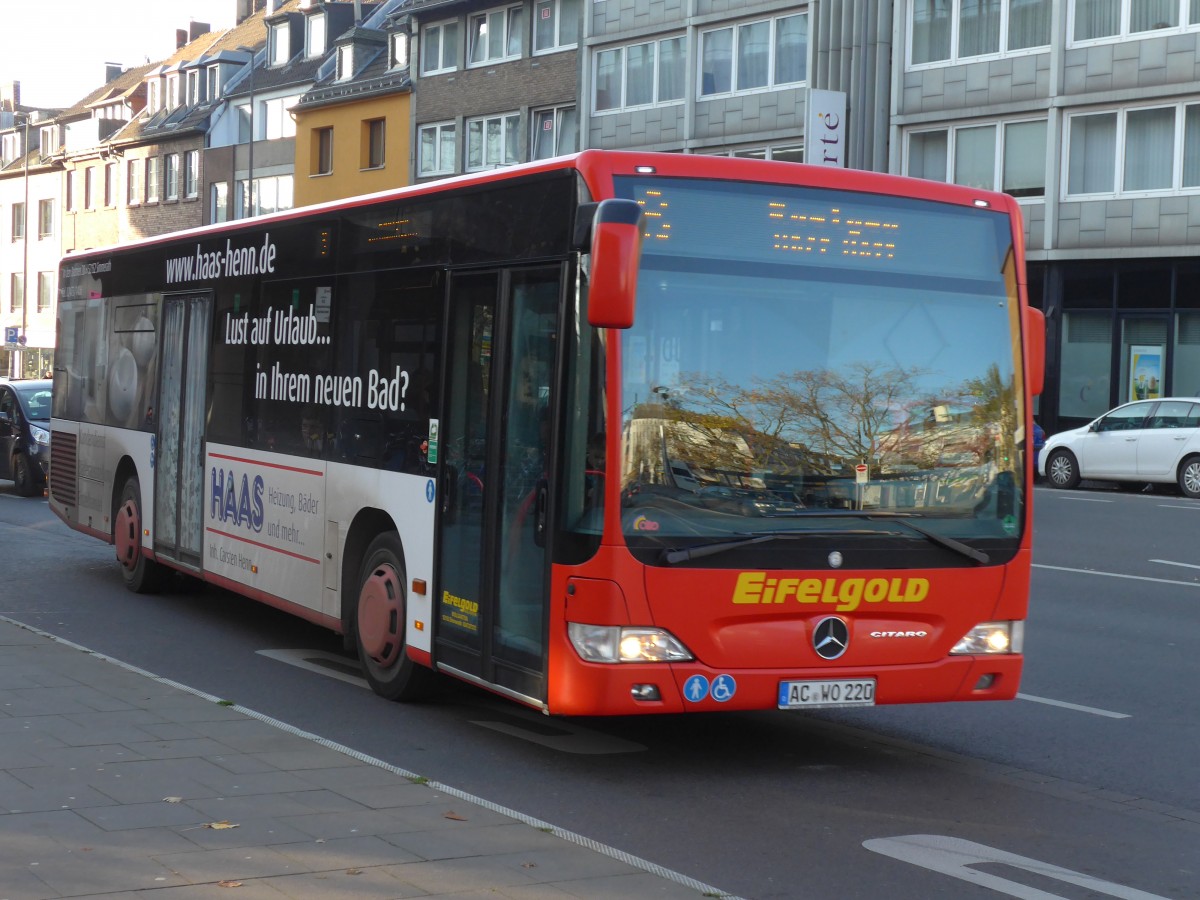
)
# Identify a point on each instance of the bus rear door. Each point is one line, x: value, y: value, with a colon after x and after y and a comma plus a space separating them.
x: 179, y: 452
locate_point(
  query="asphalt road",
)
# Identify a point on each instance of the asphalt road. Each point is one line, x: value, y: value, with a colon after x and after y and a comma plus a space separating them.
x: 1088, y: 786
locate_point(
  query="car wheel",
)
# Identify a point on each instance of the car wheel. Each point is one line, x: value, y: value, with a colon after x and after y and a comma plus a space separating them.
x: 1189, y: 477
x: 142, y: 575
x: 379, y: 624
x: 1062, y: 470
x: 23, y: 481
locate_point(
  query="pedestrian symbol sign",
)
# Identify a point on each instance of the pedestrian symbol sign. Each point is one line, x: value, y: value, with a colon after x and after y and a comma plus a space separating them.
x: 695, y: 688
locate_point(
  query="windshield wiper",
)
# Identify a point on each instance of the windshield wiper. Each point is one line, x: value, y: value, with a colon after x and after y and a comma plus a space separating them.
x: 905, y: 519
x: 684, y: 554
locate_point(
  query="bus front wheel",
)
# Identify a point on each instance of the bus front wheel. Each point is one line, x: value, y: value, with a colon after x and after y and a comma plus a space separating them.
x: 379, y: 624
x: 142, y: 575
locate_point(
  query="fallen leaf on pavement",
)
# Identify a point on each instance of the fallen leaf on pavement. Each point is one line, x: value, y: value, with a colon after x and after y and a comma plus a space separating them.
x: 229, y: 884
x: 219, y: 826
x: 456, y: 817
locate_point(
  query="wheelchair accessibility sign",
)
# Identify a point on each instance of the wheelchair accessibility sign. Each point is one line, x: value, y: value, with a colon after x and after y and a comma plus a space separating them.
x: 697, y: 688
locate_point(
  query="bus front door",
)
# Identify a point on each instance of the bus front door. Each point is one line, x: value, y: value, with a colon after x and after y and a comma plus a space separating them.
x: 494, y: 559
x: 179, y: 465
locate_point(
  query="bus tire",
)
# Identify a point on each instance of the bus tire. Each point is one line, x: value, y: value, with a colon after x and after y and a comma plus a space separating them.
x: 23, y: 480
x: 142, y: 575
x: 379, y: 624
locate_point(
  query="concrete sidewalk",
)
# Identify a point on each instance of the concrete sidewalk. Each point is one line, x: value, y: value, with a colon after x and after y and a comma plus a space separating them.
x: 116, y: 783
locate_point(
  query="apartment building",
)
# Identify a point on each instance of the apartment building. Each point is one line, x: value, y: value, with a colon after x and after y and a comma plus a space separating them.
x: 353, y: 124
x: 30, y: 233
x: 1087, y: 111
x: 493, y: 83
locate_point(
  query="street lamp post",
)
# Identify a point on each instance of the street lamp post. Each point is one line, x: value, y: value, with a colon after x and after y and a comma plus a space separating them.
x: 25, y: 259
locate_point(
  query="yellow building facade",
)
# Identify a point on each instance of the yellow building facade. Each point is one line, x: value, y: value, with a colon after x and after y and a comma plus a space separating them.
x: 350, y: 147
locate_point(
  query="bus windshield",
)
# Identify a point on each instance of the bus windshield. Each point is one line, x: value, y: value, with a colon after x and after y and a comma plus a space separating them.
x: 812, y: 361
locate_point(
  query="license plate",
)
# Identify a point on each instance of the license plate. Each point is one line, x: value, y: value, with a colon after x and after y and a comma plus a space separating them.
x: 817, y: 694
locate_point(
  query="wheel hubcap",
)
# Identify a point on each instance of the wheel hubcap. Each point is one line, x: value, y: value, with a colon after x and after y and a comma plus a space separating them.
x: 128, y: 528
x: 1191, y: 479
x: 1060, y: 471
x: 380, y: 615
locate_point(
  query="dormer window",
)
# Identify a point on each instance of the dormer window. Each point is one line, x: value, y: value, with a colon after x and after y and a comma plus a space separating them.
x: 280, y: 44
x: 213, y: 78
x: 172, y: 97
x: 315, y: 39
x: 193, y: 87
x: 345, y: 62
x: 46, y: 140
x: 154, y: 95
x: 398, y: 51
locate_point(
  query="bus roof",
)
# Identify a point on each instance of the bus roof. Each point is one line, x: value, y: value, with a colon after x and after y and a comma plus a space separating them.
x: 598, y: 167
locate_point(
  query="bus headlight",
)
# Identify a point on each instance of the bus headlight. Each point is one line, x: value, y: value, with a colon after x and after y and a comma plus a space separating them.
x: 992, y: 637
x: 616, y: 644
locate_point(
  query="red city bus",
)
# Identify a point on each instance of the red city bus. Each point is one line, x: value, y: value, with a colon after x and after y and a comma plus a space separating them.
x: 607, y: 434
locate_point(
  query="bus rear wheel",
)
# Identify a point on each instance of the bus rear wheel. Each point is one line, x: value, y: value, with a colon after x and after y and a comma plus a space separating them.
x: 142, y: 575
x: 379, y: 624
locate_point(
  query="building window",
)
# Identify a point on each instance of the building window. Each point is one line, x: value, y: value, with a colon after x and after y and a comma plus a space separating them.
x: 172, y: 95
x: 280, y: 41
x: 345, y: 62
x: 69, y: 190
x: 274, y: 120
x: 1009, y: 156
x: 373, y: 144
x: 213, y: 77
x: 322, y: 151
x: 493, y: 141
x: 45, y: 219
x: 133, y: 178
x: 191, y: 174
x: 219, y: 202
x: 314, y: 41
x: 1091, y: 20
x: 754, y: 56
x: 193, y: 87
x: 780, y: 152
x: 171, y: 176
x: 18, y: 221
x: 1159, y: 150
x: 152, y: 179
x: 89, y: 188
x: 555, y: 132
x: 555, y: 25
x: 437, y: 148
x: 494, y: 36
x: 154, y: 95
x: 110, y: 184
x: 439, y: 48
x: 270, y: 194
x: 16, y: 302
x: 941, y: 31
x: 399, y: 50
x: 45, y: 288
x: 639, y: 75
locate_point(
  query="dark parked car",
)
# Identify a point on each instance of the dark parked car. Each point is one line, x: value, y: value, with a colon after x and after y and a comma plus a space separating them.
x: 25, y: 434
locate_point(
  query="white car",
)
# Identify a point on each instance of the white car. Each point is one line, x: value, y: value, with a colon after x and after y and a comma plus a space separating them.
x: 1140, y: 442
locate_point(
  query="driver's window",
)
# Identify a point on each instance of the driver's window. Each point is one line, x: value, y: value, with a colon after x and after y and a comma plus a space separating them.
x: 6, y: 404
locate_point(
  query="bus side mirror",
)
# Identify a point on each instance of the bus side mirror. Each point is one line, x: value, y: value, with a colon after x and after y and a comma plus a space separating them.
x: 1035, y: 349
x: 613, y: 269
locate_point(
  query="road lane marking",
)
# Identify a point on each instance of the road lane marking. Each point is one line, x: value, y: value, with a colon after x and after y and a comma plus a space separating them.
x: 1171, y: 562
x: 1085, y: 499
x: 1117, y: 575
x: 954, y: 857
x: 1191, y: 506
x: 1075, y: 706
